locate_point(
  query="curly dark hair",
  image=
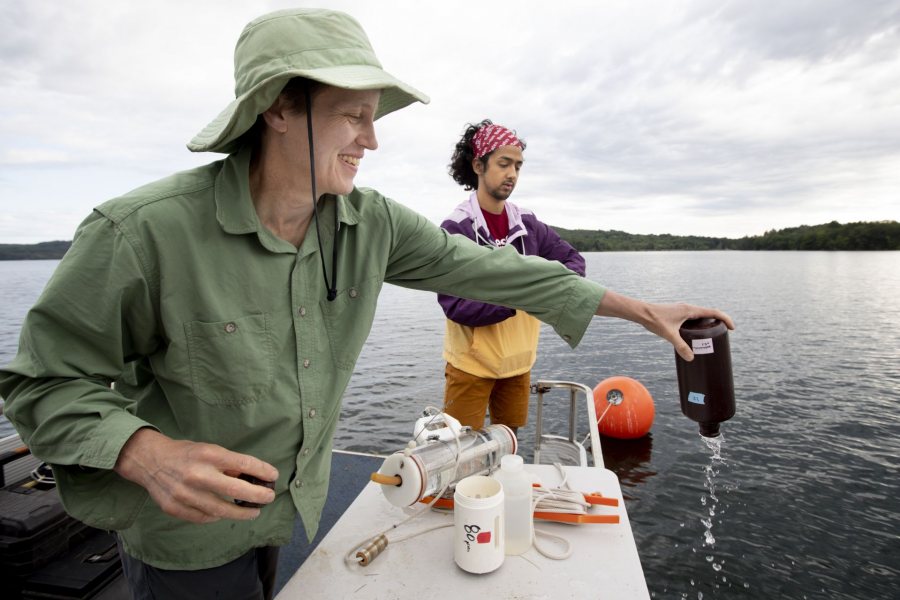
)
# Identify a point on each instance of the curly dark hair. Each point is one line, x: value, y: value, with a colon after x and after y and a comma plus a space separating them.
x: 460, y: 167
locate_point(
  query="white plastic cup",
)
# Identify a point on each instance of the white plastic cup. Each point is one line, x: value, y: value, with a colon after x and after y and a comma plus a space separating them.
x: 478, y: 545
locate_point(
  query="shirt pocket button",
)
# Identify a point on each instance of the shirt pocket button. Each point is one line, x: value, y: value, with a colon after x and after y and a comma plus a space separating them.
x: 230, y: 328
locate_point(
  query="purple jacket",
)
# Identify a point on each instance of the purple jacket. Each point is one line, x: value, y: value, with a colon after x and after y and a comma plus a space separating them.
x: 526, y: 234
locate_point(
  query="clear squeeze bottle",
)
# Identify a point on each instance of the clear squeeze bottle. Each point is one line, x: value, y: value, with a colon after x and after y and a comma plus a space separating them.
x: 516, y: 504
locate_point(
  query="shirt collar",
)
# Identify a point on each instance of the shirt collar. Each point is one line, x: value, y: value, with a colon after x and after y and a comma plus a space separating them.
x: 516, y: 226
x: 237, y: 215
x: 234, y: 207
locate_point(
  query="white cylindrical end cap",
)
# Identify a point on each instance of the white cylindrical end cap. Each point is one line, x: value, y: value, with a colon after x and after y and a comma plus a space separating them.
x: 407, y: 468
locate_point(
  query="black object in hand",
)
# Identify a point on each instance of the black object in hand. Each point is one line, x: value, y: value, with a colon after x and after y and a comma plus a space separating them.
x: 254, y: 481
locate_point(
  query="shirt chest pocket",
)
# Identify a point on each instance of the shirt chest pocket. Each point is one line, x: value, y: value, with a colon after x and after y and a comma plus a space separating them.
x: 348, y: 320
x: 231, y: 361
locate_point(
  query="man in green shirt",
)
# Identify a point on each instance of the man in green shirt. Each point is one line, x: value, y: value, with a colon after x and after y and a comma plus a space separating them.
x: 204, y: 327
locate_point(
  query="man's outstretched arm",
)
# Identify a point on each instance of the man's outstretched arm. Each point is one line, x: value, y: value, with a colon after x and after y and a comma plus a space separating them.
x: 662, y: 319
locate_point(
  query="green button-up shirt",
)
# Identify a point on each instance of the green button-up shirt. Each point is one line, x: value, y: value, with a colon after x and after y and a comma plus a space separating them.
x: 212, y: 329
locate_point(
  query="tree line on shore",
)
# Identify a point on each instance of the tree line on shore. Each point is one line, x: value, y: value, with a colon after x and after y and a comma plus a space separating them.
x: 41, y: 251
x: 878, y: 235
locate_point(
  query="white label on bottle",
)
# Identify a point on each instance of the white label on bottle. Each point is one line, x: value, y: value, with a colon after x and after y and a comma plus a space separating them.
x: 702, y: 346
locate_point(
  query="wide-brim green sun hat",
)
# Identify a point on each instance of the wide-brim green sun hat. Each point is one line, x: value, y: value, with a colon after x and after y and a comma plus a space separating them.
x: 323, y: 45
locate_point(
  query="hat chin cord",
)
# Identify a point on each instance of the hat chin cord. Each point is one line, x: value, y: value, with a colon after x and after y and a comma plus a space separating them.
x: 331, y: 287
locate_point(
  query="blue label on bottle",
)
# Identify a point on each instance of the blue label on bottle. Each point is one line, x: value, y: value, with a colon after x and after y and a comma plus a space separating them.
x: 696, y: 397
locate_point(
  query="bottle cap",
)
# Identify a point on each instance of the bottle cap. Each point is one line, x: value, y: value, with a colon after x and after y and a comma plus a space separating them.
x: 511, y: 462
x: 703, y: 323
x: 709, y: 430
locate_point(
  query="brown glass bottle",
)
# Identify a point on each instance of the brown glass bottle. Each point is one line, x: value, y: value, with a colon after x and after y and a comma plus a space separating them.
x: 706, y: 384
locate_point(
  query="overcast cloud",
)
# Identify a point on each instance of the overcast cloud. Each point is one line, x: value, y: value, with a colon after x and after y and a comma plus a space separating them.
x: 697, y: 117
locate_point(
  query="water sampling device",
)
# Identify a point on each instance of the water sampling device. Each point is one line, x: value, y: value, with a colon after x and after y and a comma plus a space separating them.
x: 442, y: 454
x: 706, y: 384
x: 445, y: 455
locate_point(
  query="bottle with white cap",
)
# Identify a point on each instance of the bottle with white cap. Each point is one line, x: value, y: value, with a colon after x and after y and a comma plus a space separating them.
x: 516, y: 504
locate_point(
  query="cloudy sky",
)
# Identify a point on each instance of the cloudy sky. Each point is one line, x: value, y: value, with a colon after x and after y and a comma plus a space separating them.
x: 718, y: 118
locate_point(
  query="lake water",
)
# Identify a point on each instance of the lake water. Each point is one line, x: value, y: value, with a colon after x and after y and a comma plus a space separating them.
x: 805, y: 498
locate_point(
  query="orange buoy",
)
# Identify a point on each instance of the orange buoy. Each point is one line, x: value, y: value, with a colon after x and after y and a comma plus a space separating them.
x: 624, y: 407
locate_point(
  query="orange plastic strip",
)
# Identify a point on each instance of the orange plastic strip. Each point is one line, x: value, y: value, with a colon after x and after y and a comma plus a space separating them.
x: 570, y: 518
x: 594, y: 498
x: 598, y: 498
x: 442, y: 503
x: 543, y: 516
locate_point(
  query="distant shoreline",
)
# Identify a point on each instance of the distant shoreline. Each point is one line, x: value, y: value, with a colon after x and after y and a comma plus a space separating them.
x: 41, y: 251
x: 875, y: 235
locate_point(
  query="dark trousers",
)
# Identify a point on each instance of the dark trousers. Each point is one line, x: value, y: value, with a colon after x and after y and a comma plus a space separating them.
x: 249, y: 577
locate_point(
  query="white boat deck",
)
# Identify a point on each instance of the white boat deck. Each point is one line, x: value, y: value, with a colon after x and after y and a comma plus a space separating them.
x: 604, y: 562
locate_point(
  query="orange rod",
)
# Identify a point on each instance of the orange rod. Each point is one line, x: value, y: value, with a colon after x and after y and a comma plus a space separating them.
x: 386, y: 479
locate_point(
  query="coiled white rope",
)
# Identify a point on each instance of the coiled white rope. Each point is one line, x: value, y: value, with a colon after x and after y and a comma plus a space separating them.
x: 560, y: 499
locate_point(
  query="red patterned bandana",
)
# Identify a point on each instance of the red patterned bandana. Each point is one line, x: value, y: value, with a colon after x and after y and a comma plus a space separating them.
x: 490, y: 137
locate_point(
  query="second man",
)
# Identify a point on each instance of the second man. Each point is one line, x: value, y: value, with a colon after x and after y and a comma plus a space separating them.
x: 490, y: 349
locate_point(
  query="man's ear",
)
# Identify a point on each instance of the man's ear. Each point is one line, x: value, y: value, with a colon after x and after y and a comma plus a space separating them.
x: 478, y: 166
x: 276, y: 115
